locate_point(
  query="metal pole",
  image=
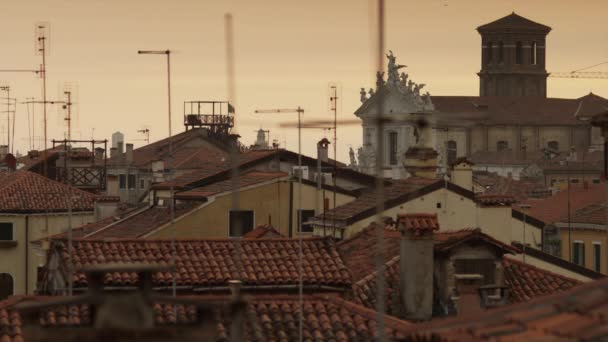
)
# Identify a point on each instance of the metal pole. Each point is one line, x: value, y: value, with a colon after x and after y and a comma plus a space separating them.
x: 300, y: 254
x: 569, y: 226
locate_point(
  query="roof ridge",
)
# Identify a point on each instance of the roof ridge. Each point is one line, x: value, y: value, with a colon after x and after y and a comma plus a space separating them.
x: 520, y: 263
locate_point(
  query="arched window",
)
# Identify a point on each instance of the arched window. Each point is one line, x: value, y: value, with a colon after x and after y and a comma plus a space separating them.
x: 519, y: 53
x: 501, y: 52
x: 502, y: 145
x: 6, y: 285
x: 452, y: 152
x: 533, y: 53
x: 490, y: 52
x: 554, y: 145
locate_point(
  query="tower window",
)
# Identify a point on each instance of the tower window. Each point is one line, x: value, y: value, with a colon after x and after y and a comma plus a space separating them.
x: 519, y: 56
x: 452, y: 151
x: 502, y: 145
x: 392, y: 143
x: 490, y: 53
x: 501, y: 52
x: 533, y: 53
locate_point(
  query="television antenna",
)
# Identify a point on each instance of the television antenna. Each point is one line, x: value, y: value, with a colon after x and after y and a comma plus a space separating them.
x: 146, y: 132
x: 11, y: 108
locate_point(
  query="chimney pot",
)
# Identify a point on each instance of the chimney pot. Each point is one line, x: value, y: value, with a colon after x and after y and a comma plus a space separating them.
x: 322, y: 150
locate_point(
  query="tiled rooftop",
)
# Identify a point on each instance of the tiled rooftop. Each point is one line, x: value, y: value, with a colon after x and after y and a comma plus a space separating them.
x: 212, y: 262
x: 140, y: 223
x: 527, y: 282
x: 555, y: 208
x: 519, y: 189
x: 596, y: 213
x: 578, y: 314
x: 248, y: 179
x: 418, y: 224
x: 367, y: 201
x: 263, y: 231
x: 272, y: 317
x: 25, y: 191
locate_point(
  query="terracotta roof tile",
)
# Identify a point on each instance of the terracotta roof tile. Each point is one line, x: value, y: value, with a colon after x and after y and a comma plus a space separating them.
x: 527, y: 282
x: 25, y: 191
x: 212, y: 262
x: 596, y: 213
x: 274, y: 317
x: 139, y: 223
x: 568, y: 315
x: 263, y: 231
x: 418, y: 224
x: 555, y: 208
x: 520, y: 189
x: 367, y: 201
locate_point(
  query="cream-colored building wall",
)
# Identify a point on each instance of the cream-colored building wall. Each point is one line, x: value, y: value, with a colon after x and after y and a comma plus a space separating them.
x: 13, y: 259
x: 526, y: 233
x: 502, y: 133
x: 269, y: 203
x: 588, y: 237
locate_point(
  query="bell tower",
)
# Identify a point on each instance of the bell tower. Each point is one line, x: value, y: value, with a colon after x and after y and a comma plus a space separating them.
x: 513, y: 52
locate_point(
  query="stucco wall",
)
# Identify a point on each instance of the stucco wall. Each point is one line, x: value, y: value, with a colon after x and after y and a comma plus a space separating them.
x: 270, y: 204
x: 13, y: 260
x: 587, y: 236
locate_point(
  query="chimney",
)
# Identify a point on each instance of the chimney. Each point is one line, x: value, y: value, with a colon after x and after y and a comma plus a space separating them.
x: 113, y: 152
x: 467, y: 296
x: 119, y: 146
x: 462, y: 173
x: 421, y: 162
x: 99, y: 152
x: 3, y: 151
x: 416, y: 264
x: 322, y: 150
x: 496, y: 210
x: 129, y: 154
x: 112, y: 185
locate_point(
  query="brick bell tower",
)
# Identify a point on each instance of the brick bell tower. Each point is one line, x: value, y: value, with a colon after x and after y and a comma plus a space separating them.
x: 513, y: 57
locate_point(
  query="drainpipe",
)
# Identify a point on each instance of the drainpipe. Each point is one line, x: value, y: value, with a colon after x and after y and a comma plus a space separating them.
x: 27, y: 252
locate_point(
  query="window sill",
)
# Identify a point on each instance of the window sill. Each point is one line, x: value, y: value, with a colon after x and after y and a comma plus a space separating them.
x: 8, y: 243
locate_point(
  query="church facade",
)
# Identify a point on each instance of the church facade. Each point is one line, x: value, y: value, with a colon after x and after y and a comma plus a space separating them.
x: 511, y: 114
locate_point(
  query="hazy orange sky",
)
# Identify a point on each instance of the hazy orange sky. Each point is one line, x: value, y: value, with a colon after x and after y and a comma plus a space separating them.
x: 287, y: 52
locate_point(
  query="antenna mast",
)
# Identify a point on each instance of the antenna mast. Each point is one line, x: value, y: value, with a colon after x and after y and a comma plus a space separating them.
x: 146, y: 133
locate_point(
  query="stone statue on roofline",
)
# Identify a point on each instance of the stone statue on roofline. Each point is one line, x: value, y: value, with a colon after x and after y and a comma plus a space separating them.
x: 371, y: 92
x: 351, y: 155
x: 403, y: 81
x: 363, y: 94
x: 379, y: 79
x: 393, y: 69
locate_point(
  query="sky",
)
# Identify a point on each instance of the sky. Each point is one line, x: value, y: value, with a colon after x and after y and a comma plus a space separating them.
x: 287, y: 53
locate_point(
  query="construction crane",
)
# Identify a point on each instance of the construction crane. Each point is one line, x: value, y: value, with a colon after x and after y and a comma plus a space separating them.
x: 580, y: 73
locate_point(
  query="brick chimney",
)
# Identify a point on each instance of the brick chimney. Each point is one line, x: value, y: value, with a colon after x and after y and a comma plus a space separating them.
x: 416, y: 264
x: 462, y: 173
x: 322, y: 150
x: 129, y: 154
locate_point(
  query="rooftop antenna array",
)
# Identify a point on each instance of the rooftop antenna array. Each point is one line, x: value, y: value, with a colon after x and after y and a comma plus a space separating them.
x: 11, y: 108
x: 68, y: 112
x: 146, y: 132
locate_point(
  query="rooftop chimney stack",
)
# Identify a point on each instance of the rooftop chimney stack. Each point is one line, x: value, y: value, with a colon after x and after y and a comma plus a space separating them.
x: 120, y: 148
x: 99, y: 152
x: 421, y: 159
x: 462, y: 173
x: 322, y: 150
x: 416, y: 264
x: 129, y: 154
x: 113, y: 152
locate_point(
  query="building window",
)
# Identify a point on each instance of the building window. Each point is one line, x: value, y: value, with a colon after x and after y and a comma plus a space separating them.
x: 368, y: 136
x: 392, y: 143
x: 490, y: 52
x: 6, y: 286
x: 597, y: 256
x: 574, y: 180
x: 578, y: 253
x: 519, y: 53
x: 132, y: 183
x: 452, y: 151
x: 306, y: 215
x: 122, y: 181
x: 6, y: 231
x: 241, y: 222
x: 596, y: 181
x: 502, y: 145
x: 501, y: 52
x: 554, y: 145
x: 533, y: 53
x: 142, y: 183
x: 484, y: 267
